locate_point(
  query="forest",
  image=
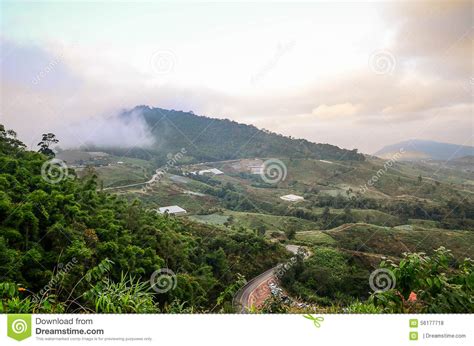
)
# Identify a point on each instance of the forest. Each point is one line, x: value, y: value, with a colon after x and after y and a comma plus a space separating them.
x: 67, y: 247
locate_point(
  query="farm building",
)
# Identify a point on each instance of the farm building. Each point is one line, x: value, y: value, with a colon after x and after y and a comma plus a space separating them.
x: 292, y: 198
x: 212, y: 171
x: 172, y: 209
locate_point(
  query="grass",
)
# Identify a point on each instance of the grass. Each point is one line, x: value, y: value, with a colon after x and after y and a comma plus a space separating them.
x: 214, y: 219
x: 315, y: 238
x: 395, y: 241
x: 255, y: 221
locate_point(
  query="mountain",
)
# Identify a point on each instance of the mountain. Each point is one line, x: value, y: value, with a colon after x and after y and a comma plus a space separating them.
x: 425, y: 150
x: 210, y: 139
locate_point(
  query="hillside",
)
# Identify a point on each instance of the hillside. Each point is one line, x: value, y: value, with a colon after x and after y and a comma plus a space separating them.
x: 51, y: 220
x: 425, y: 150
x: 211, y: 139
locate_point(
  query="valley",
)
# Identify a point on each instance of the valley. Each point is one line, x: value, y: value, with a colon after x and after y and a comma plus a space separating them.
x: 225, y: 224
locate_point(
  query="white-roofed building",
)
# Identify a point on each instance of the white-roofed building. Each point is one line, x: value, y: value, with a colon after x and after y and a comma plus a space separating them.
x: 172, y: 209
x: 292, y: 198
x: 212, y: 171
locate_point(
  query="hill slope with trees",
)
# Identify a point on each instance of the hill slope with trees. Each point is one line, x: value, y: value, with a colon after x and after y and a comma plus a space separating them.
x: 66, y: 247
x: 211, y: 139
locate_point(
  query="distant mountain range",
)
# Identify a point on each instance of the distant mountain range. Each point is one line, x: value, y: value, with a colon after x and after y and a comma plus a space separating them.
x: 210, y: 139
x: 425, y: 150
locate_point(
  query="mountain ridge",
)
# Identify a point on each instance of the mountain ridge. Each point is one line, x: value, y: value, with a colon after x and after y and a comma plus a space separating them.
x: 420, y: 149
x: 213, y: 139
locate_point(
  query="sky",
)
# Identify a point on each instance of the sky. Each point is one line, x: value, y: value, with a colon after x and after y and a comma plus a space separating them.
x: 354, y: 74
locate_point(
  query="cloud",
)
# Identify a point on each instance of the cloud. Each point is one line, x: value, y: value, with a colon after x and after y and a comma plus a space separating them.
x: 323, y: 90
x: 30, y: 65
x: 113, y: 131
x: 437, y: 36
x: 335, y: 111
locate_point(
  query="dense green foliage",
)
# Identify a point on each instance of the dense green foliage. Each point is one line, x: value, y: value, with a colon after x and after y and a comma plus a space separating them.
x: 416, y: 284
x: 109, y: 246
x: 435, y: 284
x: 217, y: 139
x: 328, y: 275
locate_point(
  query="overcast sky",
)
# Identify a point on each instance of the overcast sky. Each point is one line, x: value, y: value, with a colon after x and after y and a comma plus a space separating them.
x: 357, y: 75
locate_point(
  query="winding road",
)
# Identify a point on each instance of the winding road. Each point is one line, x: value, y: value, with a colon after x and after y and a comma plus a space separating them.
x: 256, y: 290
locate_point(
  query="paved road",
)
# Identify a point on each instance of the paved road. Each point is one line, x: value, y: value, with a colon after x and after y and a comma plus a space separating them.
x: 242, y: 299
x: 155, y: 177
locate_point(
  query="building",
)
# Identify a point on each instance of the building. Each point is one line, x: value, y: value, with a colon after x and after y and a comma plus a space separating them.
x: 214, y: 171
x: 292, y: 198
x: 172, y: 209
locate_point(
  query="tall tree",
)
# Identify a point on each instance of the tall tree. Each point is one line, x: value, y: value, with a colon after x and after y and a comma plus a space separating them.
x: 45, y: 145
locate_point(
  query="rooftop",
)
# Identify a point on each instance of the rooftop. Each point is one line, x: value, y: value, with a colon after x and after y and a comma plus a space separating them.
x: 292, y: 198
x: 172, y: 209
x: 212, y: 170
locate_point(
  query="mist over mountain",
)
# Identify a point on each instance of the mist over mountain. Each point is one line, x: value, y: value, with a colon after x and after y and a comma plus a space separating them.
x: 211, y: 139
x: 417, y: 149
x: 113, y: 131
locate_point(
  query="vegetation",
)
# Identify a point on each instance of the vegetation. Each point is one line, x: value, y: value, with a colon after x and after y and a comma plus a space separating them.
x: 327, y: 276
x: 436, y: 284
x: 229, y: 139
x: 416, y: 284
x: 110, y: 247
x: 66, y: 245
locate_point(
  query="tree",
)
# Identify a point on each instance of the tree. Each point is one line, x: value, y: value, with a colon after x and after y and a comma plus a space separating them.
x: 45, y: 145
x: 8, y: 140
x: 326, y: 215
x: 428, y: 284
x: 348, y: 217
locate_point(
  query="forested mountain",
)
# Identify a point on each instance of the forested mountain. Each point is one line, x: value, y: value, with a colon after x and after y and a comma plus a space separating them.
x: 209, y: 139
x: 66, y: 247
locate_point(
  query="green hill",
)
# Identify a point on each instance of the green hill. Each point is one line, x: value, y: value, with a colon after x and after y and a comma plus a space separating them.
x: 65, y: 246
x: 211, y: 139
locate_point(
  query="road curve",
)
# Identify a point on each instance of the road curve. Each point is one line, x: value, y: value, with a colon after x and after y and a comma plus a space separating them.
x: 243, y: 299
